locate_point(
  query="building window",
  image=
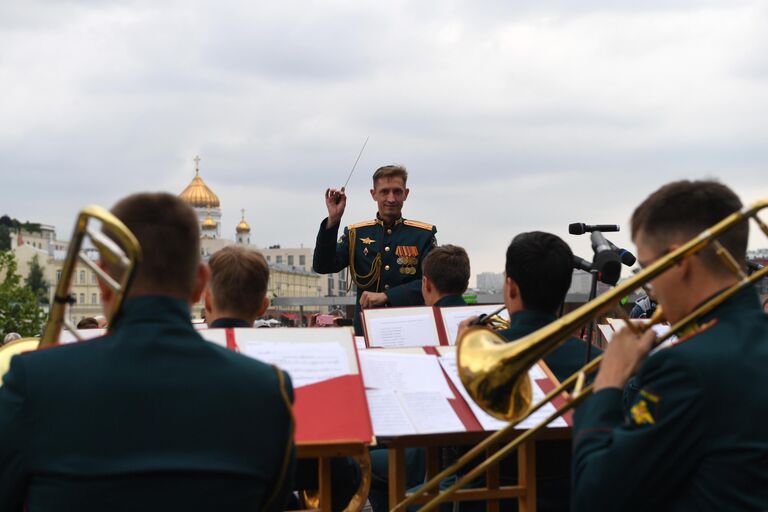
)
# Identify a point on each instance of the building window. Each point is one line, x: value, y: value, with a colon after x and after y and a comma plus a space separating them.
x: 82, y: 277
x: 82, y: 298
x: 290, y: 259
x: 93, y: 299
x: 58, y: 276
x: 269, y: 258
x: 302, y: 260
x: 279, y: 259
x: 93, y: 277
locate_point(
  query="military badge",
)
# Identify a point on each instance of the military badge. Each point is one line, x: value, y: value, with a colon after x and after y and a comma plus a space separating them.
x: 367, y: 241
x: 643, y: 410
x: 365, y: 251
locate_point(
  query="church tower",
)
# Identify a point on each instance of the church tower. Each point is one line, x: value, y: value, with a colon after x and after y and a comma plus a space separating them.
x: 243, y: 231
x: 205, y: 203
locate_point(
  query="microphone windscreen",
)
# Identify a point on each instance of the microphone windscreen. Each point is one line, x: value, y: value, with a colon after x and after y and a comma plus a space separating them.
x: 577, y: 228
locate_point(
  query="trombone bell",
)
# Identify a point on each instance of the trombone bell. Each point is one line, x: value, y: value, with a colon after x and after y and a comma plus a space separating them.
x: 504, y: 392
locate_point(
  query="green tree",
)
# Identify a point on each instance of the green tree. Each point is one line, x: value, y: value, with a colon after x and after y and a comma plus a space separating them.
x: 5, y: 238
x: 36, y: 281
x: 19, y: 309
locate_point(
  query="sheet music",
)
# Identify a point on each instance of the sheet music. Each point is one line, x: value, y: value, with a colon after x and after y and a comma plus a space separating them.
x: 403, y: 372
x: 488, y: 422
x: 431, y: 412
x: 396, y: 413
x: 360, y: 342
x: 401, y: 327
x: 306, y: 362
x: 387, y: 413
x: 453, y: 316
x: 87, y: 334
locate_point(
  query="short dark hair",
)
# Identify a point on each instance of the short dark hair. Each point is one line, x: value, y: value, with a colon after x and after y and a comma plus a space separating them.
x: 542, y: 266
x: 447, y: 266
x: 88, y: 323
x: 680, y: 210
x: 390, y: 171
x: 239, y: 279
x: 167, y: 230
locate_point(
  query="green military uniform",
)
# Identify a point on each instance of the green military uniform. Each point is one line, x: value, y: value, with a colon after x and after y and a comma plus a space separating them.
x: 151, y: 417
x: 695, y: 437
x: 380, y: 258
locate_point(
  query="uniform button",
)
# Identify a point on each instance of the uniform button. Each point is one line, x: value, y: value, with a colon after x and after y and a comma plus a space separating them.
x: 386, y: 287
x: 386, y: 248
x: 386, y: 267
x: 389, y: 231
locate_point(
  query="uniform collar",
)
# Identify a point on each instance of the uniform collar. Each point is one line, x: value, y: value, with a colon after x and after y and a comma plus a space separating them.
x: 229, y: 322
x: 153, y: 309
x: 745, y: 299
x: 451, y: 300
x: 380, y: 222
x: 525, y: 322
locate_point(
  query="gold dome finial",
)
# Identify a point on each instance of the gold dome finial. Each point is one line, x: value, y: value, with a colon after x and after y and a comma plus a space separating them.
x: 209, y: 223
x: 243, y: 226
x: 197, y: 193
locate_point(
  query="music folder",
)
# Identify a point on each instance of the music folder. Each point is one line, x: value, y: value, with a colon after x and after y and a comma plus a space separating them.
x: 418, y: 326
x: 330, y: 403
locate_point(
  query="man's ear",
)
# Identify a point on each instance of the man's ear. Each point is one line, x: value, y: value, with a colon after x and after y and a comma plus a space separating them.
x: 201, y: 281
x: 513, y: 291
x: 264, y: 306
x: 208, y: 301
x: 427, y: 284
x: 373, y: 194
x: 407, y: 191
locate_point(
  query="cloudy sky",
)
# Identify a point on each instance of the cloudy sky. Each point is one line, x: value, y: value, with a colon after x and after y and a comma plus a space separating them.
x: 509, y: 115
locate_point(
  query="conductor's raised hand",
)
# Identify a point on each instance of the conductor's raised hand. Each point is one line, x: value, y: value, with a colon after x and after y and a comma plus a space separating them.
x: 335, y: 201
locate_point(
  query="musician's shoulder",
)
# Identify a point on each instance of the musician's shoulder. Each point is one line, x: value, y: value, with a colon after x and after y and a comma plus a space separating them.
x: 418, y: 224
x: 362, y: 224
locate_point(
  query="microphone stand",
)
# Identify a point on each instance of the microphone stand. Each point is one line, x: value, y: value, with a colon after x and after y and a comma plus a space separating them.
x: 591, y: 326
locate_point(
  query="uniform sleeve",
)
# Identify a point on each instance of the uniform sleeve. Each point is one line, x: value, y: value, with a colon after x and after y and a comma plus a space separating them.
x: 285, y: 480
x: 330, y: 255
x: 13, y: 435
x: 409, y: 294
x: 634, y: 463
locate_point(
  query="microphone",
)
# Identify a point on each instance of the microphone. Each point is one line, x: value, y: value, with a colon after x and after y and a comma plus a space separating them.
x: 579, y: 228
x: 581, y: 264
x: 606, y: 262
x: 753, y: 266
x: 626, y: 257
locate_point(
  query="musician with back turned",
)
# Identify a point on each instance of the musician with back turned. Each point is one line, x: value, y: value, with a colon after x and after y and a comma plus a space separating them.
x: 151, y: 416
x: 695, y: 437
x: 384, y: 254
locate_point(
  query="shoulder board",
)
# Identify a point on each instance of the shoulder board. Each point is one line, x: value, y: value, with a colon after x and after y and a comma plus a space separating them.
x: 417, y: 224
x: 362, y: 224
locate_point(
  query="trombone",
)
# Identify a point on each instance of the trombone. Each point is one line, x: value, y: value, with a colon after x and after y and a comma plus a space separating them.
x: 121, y: 253
x: 495, y: 373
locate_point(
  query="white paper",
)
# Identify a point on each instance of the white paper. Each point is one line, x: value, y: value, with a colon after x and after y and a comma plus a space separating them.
x: 403, y: 372
x: 488, y: 422
x: 217, y: 336
x: 87, y: 334
x: 431, y: 412
x: 607, y: 332
x: 453, y: 316
x: 387, y: 413
x: 306, y: 362
x: 395, y: 413
x: 360, y: 342
x: 405, y: 327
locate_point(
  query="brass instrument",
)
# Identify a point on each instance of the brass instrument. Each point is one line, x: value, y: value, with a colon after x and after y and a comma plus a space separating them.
x: 495, y: 372
x: 121, y: 253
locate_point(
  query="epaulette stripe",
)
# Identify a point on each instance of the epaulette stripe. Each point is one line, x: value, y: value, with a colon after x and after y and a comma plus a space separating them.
x: 361, y: 224
x: 417, y: 224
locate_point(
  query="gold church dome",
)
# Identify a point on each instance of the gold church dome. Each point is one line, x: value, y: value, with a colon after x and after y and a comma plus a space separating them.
x: 209, y: 223
x: 198, y: 194
x: 243, y: 226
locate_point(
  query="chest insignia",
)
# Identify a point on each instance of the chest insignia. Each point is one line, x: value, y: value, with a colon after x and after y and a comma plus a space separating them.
x: 642, y: 411
x: 409, y: 251
x: 367, y: 241
x: 365, y: 252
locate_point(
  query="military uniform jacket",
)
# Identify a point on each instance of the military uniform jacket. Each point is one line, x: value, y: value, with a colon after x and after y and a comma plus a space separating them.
x: 696, y: 436
x: 150, y: 418
x: 380, y: 258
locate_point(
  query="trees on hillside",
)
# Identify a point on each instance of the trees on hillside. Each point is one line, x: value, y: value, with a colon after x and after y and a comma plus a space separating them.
x: 19, y: 308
